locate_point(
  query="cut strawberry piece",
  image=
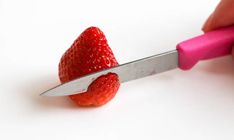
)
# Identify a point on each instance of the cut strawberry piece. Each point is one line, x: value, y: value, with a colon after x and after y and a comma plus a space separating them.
x: 90, y: 53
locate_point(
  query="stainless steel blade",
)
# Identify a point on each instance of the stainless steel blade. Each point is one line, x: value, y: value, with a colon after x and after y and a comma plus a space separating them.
x: 126, y: 72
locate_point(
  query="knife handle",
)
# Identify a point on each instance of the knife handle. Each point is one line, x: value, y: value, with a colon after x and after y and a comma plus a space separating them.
x: 210, y: 45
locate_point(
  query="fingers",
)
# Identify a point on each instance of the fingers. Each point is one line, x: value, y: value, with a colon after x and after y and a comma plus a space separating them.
x: 222, y: 16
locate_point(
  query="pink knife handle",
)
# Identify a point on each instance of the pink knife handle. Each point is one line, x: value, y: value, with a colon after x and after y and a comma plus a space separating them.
x: 210, y: 45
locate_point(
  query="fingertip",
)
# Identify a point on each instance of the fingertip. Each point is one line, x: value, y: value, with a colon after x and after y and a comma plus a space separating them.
x: 206, y: 29
x: 207, y: 25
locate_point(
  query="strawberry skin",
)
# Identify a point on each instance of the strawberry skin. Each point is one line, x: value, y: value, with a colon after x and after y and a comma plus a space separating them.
x: 89, y: 53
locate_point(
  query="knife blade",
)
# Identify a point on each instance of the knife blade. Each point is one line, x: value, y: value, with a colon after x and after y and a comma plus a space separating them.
x: 126, y: 72
x: 207, y: 46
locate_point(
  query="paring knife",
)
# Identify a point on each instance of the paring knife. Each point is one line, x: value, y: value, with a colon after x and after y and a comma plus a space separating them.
x: 210, y: 45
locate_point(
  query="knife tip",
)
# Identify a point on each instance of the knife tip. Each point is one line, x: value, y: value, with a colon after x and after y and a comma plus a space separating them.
x: 43, y: 93
x: 47, y: 93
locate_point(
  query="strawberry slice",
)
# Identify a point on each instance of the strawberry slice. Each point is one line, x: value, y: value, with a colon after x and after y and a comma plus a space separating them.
x: 90, y: 53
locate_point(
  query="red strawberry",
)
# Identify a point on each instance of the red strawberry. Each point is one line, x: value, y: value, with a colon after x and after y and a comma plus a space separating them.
x: 90, y: 53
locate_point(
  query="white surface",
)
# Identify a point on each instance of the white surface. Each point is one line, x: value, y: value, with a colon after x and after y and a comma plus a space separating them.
x: 176, y: 105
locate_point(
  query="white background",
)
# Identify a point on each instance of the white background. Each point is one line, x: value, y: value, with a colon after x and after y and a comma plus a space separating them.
x: 176, y: 105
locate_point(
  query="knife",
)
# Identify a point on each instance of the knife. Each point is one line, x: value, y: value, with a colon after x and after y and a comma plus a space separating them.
x: 187, y: 53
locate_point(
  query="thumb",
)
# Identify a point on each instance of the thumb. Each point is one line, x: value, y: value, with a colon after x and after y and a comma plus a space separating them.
x: 221, y: 17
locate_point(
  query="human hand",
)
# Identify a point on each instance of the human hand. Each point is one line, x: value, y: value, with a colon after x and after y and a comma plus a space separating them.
x: 221, y: 17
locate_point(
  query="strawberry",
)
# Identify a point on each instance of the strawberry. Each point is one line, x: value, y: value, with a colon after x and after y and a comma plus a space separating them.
x: 89, y: 53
